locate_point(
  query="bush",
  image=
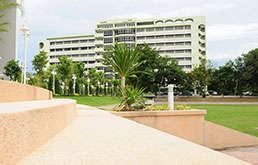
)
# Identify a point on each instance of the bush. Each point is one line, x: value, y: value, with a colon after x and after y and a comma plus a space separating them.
x: 162, y: 107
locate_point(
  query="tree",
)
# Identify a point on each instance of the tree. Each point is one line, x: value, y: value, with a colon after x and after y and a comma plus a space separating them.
x: 13, y: 70
x: 251, y: 69
x: 201, y: 76
x: 79, y: 72
x: 39, y: 63
x: 4, y: 4
x: 65, y: 70
x: 124, y: 61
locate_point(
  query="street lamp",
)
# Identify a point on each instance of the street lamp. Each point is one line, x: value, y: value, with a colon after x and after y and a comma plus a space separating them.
x: 88, y: 86
x: 53, y: 73
x: 74, y: 77
x: 26, y: 34
x: 106, y: 89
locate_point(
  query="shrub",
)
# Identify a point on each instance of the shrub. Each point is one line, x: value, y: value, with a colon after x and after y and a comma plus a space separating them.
x: 162, y: 107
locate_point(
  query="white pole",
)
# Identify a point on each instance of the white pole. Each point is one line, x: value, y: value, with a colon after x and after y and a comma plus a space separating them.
x: 25, y: 54
x: 171, y: 97
x: 53, y: 83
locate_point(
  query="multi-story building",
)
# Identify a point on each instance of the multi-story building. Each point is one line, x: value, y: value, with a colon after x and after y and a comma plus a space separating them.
x: 182, y: 39
x: 8, y: 48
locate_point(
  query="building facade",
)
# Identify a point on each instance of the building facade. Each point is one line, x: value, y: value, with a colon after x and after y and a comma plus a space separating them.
x: 8, y: 47
x: 183, y: 39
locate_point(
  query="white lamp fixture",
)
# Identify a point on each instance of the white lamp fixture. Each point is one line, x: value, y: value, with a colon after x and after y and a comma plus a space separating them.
x: 26, y: 34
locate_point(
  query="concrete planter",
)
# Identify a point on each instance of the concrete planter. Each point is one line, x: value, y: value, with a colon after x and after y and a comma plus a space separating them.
x: 187, y: 124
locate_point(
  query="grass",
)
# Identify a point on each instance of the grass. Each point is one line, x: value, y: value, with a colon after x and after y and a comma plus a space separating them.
x: 94, y: 101
x: 243, y: 118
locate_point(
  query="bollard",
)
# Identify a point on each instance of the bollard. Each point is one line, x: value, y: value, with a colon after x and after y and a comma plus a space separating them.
x: 171, y: 97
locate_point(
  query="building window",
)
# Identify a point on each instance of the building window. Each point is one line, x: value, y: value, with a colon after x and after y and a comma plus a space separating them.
x: 67, y: 49
x: 67, y: 42
x: 149, y: 29
x: 170, y: 51
x: 169, y: 36
x: 83, y: 41
x: 188, y: 59
x: 59, y: 43
x: 141, y: 38
x: 52, y: 50
x: 52, y: 43
x: 140, y: 30
x: 91, y: 40
x: 160, y: 37
x: 149, y: 37
x: 169, y: 44
x: 74, y: 49
x: 188, y: 51
x: 187, y: 27
x: 187, y: 43
x: 124, y: 31
x: 179, y: 36
x: 83, y: 48
x: 159, y: 29
x: 124, y: 39
x: 179, y: 51
x: 159, y: 44
x: 108, y: 33
x: 130, y: 24
x: 169, y: 28
x: 179, y: 43
x: 179, y: 27
x: 75, y: 42
x: 187, y: 35
x: 120, y: 25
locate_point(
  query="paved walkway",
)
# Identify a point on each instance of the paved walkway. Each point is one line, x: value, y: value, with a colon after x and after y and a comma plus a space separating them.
x: 248, y: 154
x: 98, y: 137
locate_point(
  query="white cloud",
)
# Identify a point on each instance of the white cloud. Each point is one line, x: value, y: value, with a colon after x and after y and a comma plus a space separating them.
x: 231, y: 31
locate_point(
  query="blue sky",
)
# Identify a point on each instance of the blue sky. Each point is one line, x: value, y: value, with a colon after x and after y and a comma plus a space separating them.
x: 232, y: 25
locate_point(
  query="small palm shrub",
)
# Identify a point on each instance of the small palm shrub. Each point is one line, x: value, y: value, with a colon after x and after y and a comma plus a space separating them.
x: 132, y: 98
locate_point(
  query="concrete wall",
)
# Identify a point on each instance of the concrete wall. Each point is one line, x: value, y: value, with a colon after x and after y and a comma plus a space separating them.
x: 8, y: 49
x: 24, y: 126
x: 187, y: 124
x: 14, y: 92
x: 219, y: 137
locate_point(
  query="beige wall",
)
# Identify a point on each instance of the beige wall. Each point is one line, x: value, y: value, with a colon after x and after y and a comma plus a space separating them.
x: 187, y: 124
x: 219, y: 137
x: 24, y: 126
x: 14, y: 92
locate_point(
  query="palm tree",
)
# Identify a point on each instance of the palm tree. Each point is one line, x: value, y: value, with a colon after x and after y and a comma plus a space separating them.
x: 124, y: 61
x: 4, y: 4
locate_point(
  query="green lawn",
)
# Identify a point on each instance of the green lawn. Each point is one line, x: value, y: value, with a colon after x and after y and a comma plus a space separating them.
x: 243, y: 118
x: 94, y: 100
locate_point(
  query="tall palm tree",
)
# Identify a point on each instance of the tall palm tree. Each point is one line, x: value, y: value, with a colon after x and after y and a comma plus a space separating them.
x: 124, y: 61
x: 5, y: 4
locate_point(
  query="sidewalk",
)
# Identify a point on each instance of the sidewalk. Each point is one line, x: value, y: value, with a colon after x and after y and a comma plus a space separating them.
x: 98, y: 137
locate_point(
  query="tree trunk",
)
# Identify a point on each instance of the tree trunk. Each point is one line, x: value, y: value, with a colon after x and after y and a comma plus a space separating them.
x: 123, y: 93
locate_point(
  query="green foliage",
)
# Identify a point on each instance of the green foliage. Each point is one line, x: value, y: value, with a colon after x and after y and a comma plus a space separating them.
x: 201, y: 76
x: 50, y: 83
x: 124, y: 61
x: 71, y: 90
x: 58, y: 89
x: 4, y: 5
x: 13, y: 70
x: 161, y: 107
x: 133, y: 96
x: 251, y: 69
x: 65, y: 69
x: 39, y: 62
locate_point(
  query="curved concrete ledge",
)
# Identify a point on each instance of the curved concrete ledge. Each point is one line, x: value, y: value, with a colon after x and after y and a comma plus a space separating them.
x: 187, y: 124
x: 14, y: 92
x: 98, y: 137
x: 24, y: 126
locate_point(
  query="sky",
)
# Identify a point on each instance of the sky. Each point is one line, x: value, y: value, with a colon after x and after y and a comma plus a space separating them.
x: 231, y: 25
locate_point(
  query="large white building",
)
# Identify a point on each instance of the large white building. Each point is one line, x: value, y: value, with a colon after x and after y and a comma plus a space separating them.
x: 8, y: 47
x: 183, y: 39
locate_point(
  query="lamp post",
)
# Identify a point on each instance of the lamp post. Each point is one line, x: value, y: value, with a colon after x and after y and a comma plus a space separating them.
x: 106, y: 89
x: 74, y: 77
x: 53, y: 73
x: 26, y: 34
x: 88, y: 86
x: 98, y: 88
